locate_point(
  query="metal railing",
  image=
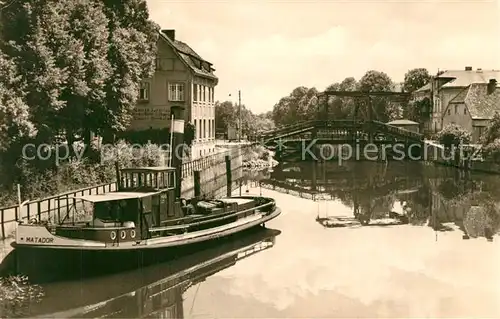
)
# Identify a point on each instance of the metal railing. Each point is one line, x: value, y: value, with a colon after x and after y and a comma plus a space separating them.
x: 337, y: 125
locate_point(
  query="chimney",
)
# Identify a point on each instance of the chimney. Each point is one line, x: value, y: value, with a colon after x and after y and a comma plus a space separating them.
x: 492, y: 85
x: 170, y: 33
x: 468, y: 68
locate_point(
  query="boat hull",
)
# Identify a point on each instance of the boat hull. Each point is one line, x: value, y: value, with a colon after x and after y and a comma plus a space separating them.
x: 54, y: 261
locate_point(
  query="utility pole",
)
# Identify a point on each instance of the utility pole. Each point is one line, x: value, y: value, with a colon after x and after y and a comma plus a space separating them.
x: 239, y: 115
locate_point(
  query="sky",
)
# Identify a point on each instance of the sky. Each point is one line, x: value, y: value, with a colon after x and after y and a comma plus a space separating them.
x: 268, y: 48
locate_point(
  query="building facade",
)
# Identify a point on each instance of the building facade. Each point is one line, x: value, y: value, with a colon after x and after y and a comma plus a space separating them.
x: 444, y: 87
x: 182, y: 78
x: 473, y: 108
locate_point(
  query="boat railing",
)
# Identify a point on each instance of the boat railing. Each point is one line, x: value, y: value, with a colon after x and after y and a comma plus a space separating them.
x: 201, y: 220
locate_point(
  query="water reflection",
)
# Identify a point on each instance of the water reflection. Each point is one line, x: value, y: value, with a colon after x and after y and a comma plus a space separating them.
x: 396, y: 193
x: 152, y: 292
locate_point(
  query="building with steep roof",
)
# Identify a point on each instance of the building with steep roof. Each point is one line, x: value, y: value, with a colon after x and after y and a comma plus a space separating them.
x: 445, y: 86
x: 474, y: 107
x: 182, y: 78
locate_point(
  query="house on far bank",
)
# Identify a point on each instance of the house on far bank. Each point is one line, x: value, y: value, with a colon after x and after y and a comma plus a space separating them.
x: 473, y: 108
x: 444, y: 87
x: 406, y: 124
x: 184, y: 79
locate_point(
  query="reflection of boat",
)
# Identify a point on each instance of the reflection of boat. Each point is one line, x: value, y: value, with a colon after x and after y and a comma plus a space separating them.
x: 154, y: 291
x: 144, y: 214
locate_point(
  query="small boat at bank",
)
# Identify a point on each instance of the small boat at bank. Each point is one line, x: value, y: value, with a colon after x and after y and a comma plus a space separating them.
x: 143, y: 214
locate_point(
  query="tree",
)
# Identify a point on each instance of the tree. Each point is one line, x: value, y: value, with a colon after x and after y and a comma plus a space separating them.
x: 15, y: 122
x: 376, y: 81
x: 420, y: 110
x: 492, y: 132
x: 300, y: 105
x: 225, y: 115
x: 342, y: 107
x: 59, y: 48
x: 81, y: 62
x: 132, y: 53
x: 415, y: 79
x: 453, y: 135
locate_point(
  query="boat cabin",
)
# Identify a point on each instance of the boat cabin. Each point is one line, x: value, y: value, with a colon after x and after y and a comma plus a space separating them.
x: 146, y: 178
x: 145, y: 198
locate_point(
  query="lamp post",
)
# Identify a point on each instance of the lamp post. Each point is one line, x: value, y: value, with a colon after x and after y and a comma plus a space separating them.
x: 239, y: 114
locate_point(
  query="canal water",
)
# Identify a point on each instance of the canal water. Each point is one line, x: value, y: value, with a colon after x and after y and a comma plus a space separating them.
x: 361, y: 239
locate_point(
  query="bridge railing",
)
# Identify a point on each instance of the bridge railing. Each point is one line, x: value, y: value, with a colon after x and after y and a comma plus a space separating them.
x: 398, y: 131
x: 286, y: 128
x: 347, y: 127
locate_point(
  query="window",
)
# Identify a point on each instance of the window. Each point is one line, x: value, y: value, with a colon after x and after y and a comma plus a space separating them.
x: 449, y: 111
x: 465, y: 110
x: 213, y: 96
x: 213, y: 128
x: 203, y: 96
x: 176, y: 92
x: 199, y: 92
x: 199, y: 130
x: 204, y: 128
x: 437, y: 103
x: 209, y: 94
x: 479, y: 131
x: 456, y: 109
x: 144, y: 92
x: 209, y: 129
x: 195, y: 92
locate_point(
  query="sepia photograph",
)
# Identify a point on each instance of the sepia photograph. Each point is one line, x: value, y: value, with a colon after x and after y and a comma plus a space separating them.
x: 199, y: 159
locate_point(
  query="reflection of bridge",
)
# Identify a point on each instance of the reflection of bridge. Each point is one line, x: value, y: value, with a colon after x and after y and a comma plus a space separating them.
x: 162, y: 286
x: 379, y: 189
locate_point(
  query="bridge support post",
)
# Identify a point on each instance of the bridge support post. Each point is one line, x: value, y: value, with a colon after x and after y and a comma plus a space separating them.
x: 370, y: 119
x: 314, y: 177
x: 314, y: 135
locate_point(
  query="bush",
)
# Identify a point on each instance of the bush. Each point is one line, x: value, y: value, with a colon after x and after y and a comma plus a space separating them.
x: 453, y: 135
x: 492, y: 151
x: 16, y: 296
x: 492, y: 132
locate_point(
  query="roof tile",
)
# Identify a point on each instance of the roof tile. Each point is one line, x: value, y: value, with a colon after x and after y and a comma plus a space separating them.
x: 481, y: 105
x: 462, y: 78
x: 191, y: 58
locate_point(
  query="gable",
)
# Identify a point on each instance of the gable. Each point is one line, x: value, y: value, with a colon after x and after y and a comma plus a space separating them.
x: 479, y: 103
x: 190, y: 58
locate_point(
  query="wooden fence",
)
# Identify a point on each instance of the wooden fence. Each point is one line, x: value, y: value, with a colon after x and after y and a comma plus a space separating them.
x: 54, y: 208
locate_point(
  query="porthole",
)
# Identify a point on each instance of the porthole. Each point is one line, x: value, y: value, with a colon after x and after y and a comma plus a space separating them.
x: 112, y: 235
x: 132, y: 233
x: 123, y: 234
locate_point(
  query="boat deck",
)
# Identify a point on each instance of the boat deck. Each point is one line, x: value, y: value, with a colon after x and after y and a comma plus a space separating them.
x: 239, y: 201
